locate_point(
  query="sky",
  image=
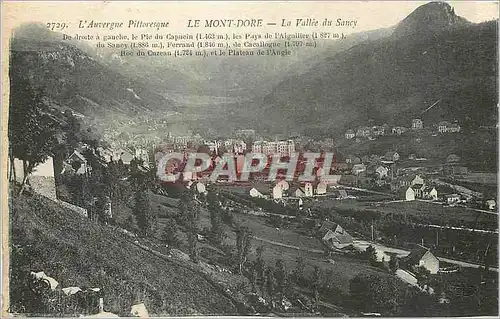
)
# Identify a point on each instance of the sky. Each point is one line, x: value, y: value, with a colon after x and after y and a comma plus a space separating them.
x: 369, y: 14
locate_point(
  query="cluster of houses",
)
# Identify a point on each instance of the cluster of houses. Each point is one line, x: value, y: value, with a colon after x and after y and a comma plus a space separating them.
x: 282, y: 189
x: 337, y: 238
x: 385, y: 129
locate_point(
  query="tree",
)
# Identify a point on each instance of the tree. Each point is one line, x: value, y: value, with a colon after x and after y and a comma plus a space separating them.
x: 253, y: 279
x: 280, y: 276
x: 394, y: 263
x: 32, y: 130
x: 243, y: 244
x: 422, y: 275
x: 142, y: 211
x: 260, y: 267
x: 169, y: 235
x: 190, y: 213
x: 374, y: 293
x: 189, y: 210
x: 270, y: 284
x: 315, y: 282
x: 371, y: 255
x: 217, y: 233
x: 299, y: 270
x: 193, y: 246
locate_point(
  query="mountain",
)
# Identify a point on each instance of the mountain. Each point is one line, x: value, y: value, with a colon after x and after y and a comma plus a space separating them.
x: 392, y: 80
x: 429, y: 18
x: 76, y: 80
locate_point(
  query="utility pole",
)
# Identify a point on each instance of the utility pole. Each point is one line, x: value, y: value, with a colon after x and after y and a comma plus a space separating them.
x: 372, y: 233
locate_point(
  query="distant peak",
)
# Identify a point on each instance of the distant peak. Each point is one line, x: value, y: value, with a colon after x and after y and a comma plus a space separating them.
x: 429, y: 17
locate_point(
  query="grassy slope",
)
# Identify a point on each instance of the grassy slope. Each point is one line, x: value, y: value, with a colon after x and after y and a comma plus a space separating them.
x: 77, y: 252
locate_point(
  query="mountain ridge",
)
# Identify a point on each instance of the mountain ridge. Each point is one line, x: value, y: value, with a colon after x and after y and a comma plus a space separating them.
x: 429, y: 17
x: 392, y: 80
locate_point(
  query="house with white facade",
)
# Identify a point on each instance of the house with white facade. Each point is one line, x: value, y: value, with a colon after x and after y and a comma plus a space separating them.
x: 350, y: 134
x: 417, y: 124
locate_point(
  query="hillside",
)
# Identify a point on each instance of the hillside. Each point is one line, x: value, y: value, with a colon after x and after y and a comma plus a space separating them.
x: 392, y: 80
x: 74, y: 79
x: 77, y: 252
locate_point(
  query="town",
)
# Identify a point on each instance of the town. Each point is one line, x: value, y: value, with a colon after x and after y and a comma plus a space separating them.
x: 399, y: 212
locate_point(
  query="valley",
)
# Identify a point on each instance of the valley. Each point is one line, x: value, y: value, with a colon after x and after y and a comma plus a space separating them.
x: 396, y: 128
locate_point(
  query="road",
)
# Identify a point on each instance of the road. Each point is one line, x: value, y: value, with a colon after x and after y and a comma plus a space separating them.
x: 362, y: 244
x: 381, y: 251
x: 463, y: 206
x: 402, y: 253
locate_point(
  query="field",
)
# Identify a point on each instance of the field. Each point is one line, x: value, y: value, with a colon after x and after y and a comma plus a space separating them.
x: 485, y: 183
x: 78, y: 252
x: 482, y: 178
x: 310, y: 249
x: 424, y: 211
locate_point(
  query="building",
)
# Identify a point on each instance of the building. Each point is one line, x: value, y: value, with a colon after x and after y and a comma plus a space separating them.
x: 381, y: 171
x: 284, y: 186
x: 41, y: 180
x: 334, y: 236
x: 431, y: 194
x: 143, y: 156
x: 78, y: 163
x: 417, y: 180
x: 350, y: 134
x: 422, y: 257
x: 358, y: 169
x: 342, y: 194
x: 392, y: 156
x: 351, y: 159
x: 106, y: 154
x: 377, y: 130
x: 308, y: 190
x: 321, y: 188
x: 277, y: 192
x: 443, y: 126
x: 447, y: 127
x: 452, y: 169
x: 453, y: 158
x: 363, y: 131
x: 399, y: 130
x: 491, y: 204
x: 410, y: 194
x: 454, y: 128
x: 299, y: 192
x: 452, y: 199
x: 283, y: 148
x: 257, y: 146
x: 256, y: 194
x: 386, y: 128
x: 417, y: 124
x: 419, y: 190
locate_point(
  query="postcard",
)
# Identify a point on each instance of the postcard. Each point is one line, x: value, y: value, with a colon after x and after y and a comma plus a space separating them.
x: 250, y: 158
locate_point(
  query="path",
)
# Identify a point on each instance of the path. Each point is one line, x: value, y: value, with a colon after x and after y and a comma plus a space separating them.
x: 402, y: 253
x: 362, y: 244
